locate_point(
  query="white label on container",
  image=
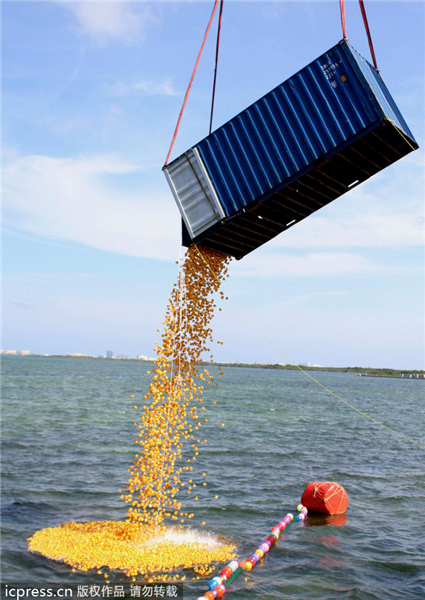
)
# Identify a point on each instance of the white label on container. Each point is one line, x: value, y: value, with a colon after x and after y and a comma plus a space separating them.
x: 329, y: 69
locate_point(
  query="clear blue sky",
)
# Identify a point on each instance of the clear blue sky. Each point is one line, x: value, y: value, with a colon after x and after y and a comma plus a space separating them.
x: 91, y: 233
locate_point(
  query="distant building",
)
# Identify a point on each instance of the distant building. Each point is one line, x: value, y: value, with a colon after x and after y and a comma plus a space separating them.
x: 143, y: 357
x: 109, y: 354
x: 122, y: 356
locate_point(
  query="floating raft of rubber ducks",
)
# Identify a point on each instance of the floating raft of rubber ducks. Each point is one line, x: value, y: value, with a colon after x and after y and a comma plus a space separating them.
x: 216, y: 586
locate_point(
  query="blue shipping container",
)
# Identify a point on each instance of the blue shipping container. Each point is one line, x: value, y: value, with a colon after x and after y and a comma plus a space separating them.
x: 326, y: 129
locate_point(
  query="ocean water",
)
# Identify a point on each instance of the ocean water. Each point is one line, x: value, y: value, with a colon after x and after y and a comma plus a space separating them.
x: 68, y: 439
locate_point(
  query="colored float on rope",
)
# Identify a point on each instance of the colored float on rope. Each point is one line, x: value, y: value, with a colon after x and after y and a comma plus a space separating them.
x: 302, y: 512
x: 235, y: 568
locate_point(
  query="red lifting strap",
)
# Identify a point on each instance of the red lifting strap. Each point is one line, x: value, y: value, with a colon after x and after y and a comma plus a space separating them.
x: 342, y: 8
x: 372, y: 51
x: 191, y: 80
x: 344, y: 29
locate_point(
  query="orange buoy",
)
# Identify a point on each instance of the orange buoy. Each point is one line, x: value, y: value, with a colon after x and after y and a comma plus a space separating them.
x: 325, y: 497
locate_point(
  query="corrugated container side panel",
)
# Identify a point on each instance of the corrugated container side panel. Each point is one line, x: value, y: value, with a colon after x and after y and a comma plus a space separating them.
x: 383, y: 96
x: 357, y: 100
x: 260, y: 139
x: 293, y: 126
x: 273, y: 143
x: 298, y: 148
x: 293, y: 156
x: 279, y: 131
x: 316, y: 135
x: 250, y: 129
x: 307, y: 137
x: 319, y: 107
x: 226, y: 168
x: 240, y: 138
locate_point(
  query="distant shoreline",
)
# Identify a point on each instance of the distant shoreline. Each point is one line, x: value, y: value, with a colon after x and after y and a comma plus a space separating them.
x: 362, y: 371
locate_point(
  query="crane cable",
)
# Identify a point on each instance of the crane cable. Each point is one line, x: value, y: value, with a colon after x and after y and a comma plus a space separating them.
x: 191, y: 81
x: 366, y: 25
x: 344, y: 33
x: 216, y: 62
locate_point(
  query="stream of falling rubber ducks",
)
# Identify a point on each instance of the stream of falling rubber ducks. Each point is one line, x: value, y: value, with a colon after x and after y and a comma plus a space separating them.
x: 169, y: 428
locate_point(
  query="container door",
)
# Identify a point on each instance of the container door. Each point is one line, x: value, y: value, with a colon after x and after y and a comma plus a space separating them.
x: 194, y: 192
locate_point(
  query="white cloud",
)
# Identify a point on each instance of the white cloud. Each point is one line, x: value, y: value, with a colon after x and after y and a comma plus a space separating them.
x: 71, y: 199
x: 385, y: 211
x: 110, y: 21
x: 89, y: 200
x: 146, y: 87
x: 268, y: 266
x: 373, y: 229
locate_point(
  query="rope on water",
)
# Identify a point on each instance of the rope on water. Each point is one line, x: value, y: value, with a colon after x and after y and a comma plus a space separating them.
x: 235, y: 568
x: 307, y: 374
